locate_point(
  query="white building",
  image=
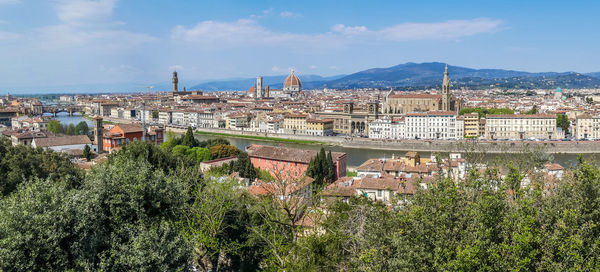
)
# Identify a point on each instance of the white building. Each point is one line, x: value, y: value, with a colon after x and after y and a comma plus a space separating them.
x: 521, y: 126
x: 387, y: 128
x: 442, y: 125
x: 200, y: 118
x: 165, y: 117
x: 587, y: 127
x: 178, y: 118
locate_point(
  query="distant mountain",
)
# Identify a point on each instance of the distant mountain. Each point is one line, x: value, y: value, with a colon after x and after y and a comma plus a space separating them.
x: 423, y: 75
x: 595, y: 74
x: 427, y: 75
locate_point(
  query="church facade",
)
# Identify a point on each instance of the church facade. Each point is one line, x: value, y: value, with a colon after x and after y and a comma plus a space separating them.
x: 405, y: 103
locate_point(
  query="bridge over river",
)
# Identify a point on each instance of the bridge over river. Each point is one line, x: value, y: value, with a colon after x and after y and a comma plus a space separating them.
x: 57, y: 108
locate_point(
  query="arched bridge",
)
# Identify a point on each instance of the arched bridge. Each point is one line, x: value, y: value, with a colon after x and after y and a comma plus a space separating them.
x: 54, y: 109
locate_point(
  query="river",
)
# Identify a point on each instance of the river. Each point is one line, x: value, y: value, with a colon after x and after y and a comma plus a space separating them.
x: 356, y: 156
x: 65, y: 119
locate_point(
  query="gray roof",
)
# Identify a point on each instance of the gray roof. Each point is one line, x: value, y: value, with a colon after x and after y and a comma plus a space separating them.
x: 62, y: 140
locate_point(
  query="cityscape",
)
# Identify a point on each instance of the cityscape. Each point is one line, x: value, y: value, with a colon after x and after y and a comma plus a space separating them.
x: 212, y: 157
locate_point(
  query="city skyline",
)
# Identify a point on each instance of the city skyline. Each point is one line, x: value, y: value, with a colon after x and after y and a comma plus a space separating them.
x: 109, y: 41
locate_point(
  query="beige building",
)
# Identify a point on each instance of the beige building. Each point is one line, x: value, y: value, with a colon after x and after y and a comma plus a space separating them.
x: 520, y: 126
x: 295, y: 123
x: 318, y: 127
x: 351, y: 122
x: 471, y: 125
x: 587, y: 127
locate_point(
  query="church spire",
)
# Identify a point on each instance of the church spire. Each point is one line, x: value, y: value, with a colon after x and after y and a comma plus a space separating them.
x: 446, y: 77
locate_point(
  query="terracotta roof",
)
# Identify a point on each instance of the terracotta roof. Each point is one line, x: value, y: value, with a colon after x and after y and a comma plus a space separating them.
x: 428, y: 96
x: 286, y: 154
x: 62, y: 140
x: 292, y: 80
x: 129, y: 128
x: 553, y: 167
x: 387, y: 182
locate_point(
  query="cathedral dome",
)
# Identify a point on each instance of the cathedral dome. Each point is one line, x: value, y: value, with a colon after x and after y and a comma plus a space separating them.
x: 292, y: 81
x: 252, y: 91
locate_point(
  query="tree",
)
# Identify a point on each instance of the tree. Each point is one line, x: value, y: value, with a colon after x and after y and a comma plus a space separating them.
x: 562, y: 121
x: 87, y: 154
x: 189, y: 139
x: 55, y: 127
x: 154, y: 114
x: 321, y: 168
x: 82, y: 128
x: 217, y: 224
x: 533, y: 110
x: 36, y: 230
x: 20, y: 164
x: 223, y: 151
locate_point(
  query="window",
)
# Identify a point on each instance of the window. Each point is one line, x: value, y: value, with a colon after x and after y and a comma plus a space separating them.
x: 378, y: 193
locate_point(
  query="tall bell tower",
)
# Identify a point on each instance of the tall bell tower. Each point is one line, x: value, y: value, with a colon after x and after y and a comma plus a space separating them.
x: 446, y: 91
x: 99, y: 134
x: 175, y: 82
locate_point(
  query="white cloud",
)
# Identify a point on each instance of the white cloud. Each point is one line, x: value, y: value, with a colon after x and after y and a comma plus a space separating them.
x: 6, y: 36
x: 87, y: 23
x: 288, y: 14
x: 349, y: 30
x: 333, y: 67
x: 275, y: 69
x: 242, y: 31
x: 84, y: 10
x: 452, y: 29
x: 313, y: 67
x: 245, y: 32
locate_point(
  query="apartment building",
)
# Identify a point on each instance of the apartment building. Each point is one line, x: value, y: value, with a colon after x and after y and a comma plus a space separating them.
x: 472, y: 125
x: 442, y: 125
x: 587, y: 127
x: 520, y: 126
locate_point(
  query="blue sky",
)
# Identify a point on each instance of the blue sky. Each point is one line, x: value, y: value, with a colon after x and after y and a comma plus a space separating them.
x: 64, y: 42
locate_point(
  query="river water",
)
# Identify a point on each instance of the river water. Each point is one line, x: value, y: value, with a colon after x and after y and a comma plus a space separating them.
x: 356, y: 156
x: 65, y: 119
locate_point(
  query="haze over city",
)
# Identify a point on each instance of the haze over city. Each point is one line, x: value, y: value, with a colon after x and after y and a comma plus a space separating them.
x: 111, y: 43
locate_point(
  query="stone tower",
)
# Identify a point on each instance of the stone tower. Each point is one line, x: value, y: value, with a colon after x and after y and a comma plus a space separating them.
x: 446, y: 91
x: 175, y: 82
x: 259, y: 87
x: 99, y: 134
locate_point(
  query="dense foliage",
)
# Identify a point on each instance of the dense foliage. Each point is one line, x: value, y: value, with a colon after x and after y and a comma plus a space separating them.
x: 20, y: 164
x: 147, y: 209
x: 562, y: 121
x: 485, y: 111
x: 81, y: 128
x: 321, y: 168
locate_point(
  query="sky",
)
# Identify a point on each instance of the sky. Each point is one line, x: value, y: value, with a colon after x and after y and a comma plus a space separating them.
x: 76, y: 42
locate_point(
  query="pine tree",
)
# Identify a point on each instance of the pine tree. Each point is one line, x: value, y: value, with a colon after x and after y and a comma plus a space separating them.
x: 189, y: 139
x: 87, y: 154
x: 330, y: 168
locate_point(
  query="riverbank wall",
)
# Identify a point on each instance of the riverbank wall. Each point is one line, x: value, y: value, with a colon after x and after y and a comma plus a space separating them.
x: 566, y: 147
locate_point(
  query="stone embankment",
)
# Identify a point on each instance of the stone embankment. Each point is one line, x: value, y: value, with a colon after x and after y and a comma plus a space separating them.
x: 567, y: 147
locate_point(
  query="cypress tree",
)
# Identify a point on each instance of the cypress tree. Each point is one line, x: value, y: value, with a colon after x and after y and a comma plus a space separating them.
x: 188, y: 139
x: 330, y: 168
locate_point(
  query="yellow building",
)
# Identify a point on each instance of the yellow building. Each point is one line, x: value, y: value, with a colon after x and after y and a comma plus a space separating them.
x: 319, y: 127
x: 295, y: 123
x: 471, y: 125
